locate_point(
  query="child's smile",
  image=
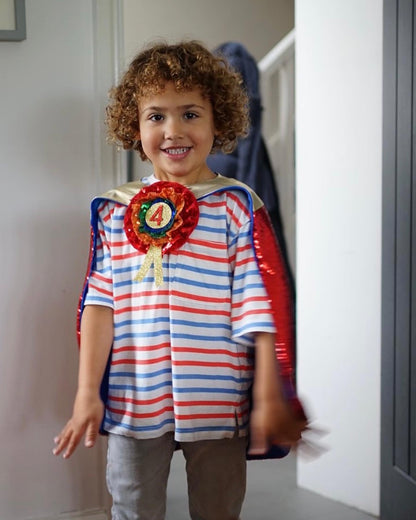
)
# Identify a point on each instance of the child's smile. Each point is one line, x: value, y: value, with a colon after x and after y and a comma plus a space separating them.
x: 177, y: 132
x: 177, y: 153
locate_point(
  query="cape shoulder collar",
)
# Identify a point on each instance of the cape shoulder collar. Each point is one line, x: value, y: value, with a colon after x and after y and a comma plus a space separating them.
x: 123, y: 194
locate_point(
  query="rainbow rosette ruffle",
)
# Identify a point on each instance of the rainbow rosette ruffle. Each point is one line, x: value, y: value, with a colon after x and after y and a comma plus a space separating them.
x: 159, y: 219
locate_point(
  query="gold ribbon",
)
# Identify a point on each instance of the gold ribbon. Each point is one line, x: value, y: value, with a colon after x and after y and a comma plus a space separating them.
x: 153, y: 256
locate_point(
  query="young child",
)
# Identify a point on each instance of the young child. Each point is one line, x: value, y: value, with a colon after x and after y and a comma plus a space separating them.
x: 185, y: 317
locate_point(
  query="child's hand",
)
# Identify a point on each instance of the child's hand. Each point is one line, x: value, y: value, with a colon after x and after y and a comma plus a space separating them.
x: 274, y: 422
x: 86, y: 418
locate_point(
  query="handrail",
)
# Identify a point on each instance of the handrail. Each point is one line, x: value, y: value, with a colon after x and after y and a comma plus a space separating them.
x: 277, y: 85
x: 273, y: 59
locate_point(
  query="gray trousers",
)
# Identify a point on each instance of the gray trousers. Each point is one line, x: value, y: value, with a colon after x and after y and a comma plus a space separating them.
x: 138, y: 470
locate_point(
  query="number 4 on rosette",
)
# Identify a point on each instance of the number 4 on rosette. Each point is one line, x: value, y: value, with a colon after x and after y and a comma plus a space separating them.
x: 159, y: 219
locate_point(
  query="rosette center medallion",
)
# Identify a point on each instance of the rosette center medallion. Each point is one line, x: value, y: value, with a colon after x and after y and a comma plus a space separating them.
x: 159, y: 219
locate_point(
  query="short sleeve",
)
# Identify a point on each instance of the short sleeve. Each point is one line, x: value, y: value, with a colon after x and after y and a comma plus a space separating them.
x: 251, y: 310
x: 100, y: 281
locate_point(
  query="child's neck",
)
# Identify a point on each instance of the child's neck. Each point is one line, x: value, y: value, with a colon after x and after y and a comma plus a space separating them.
x: 187, y: 179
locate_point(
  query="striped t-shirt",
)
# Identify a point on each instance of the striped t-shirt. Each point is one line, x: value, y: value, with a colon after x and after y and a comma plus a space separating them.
x: 182, y: 356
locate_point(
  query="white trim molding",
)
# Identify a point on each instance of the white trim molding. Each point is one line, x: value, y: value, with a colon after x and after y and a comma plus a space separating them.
x: 108, y: 44
x: 90, y: 514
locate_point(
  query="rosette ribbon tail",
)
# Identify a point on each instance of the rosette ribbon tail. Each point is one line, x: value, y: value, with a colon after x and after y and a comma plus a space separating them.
x: 153, y: 256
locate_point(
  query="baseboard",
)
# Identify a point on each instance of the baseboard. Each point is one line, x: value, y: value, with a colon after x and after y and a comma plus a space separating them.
x: 91, y: 514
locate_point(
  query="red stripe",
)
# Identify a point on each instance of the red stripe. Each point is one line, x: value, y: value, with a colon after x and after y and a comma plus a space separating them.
x: 141, y: 308
x: 241, y: 249
x: 200, y: 298
x: 103, y: 207
x: 141, y: 415
x: 133, y: 348
x: 194, y: 350
x: 140, y: 402
x: 109, y: 215
x: 145, y: 294
x: 119, y: 244
x: 208, y: 258
x: 204, y: 312
x: 251, y: 313
x: 96, y: 276
x: 100, y: 290
x: 239, y: 204
x: 205, y: 243
x: 139, y: 362
x: 211, y: 403
x: 244, y: 261
x: 262, y: 299
x: 234, y: 218
x: 126, y: 255
x: 180, y: 294
x: 212, y: 204
x: 209, y: 416
x: 211, y: 364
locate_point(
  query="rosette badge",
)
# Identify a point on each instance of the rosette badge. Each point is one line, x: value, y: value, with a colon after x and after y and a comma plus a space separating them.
x: 159, y: 219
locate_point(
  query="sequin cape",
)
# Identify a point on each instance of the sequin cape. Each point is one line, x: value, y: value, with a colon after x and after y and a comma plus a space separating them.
x: 271, y: 267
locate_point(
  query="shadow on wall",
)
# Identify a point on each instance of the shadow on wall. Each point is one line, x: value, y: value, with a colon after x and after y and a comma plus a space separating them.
x: 45, y: 257
x: 39, y: 373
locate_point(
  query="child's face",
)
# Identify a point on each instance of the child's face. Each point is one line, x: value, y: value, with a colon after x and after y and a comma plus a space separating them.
x: 177, y: 132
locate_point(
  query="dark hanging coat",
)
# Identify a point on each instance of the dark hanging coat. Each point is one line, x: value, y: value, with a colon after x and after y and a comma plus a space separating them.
x: 250, y: 163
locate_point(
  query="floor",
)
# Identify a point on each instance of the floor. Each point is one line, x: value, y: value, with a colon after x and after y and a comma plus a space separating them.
x: 280, y: 501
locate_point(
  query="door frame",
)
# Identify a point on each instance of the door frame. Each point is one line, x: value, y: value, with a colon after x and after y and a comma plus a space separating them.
x: 396, y: 487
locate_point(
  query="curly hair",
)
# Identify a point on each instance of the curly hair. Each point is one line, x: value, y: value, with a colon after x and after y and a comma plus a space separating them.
x: 188, y: 65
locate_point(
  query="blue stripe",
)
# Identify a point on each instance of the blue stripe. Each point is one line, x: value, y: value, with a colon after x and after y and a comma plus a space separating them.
x: 171, y: 265
x: 138, y: 428
x: 241, y: 276
x: 236, y: 236
x: 142, y: 321
x: 204, y: 337
x: 218, y: 287
x: 206, y: 429
x: 114, y: 231
x: 140, y: 388
x: 126, y: 269
x: 249, y: 286
x: 102, y: 257
x: 142, y: 334
x: 212, y: 217
x: 199, y: 270
x: 141, y: 376
x: 198, y: 390
x: 187, y: 323
x: 91, y: 298
x: 211, y: 229
x: 103, y: 270
x: 148, y: 278
x: 135, y: 268
x: 259, y: 325
x: 215, y: 377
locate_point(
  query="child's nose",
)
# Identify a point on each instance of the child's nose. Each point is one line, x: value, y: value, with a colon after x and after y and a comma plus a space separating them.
x: 173, y: 129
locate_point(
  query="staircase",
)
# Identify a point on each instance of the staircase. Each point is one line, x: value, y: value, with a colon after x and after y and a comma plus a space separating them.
x: 277, y: 83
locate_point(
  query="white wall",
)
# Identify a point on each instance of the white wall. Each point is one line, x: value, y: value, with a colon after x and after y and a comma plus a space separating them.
x: 47, y: 142
x: 258, y: 25
x: 339, y: 115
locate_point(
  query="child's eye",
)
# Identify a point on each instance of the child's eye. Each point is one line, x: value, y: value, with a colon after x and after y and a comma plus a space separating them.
x: 156, y: 117
x: 190, y: 115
